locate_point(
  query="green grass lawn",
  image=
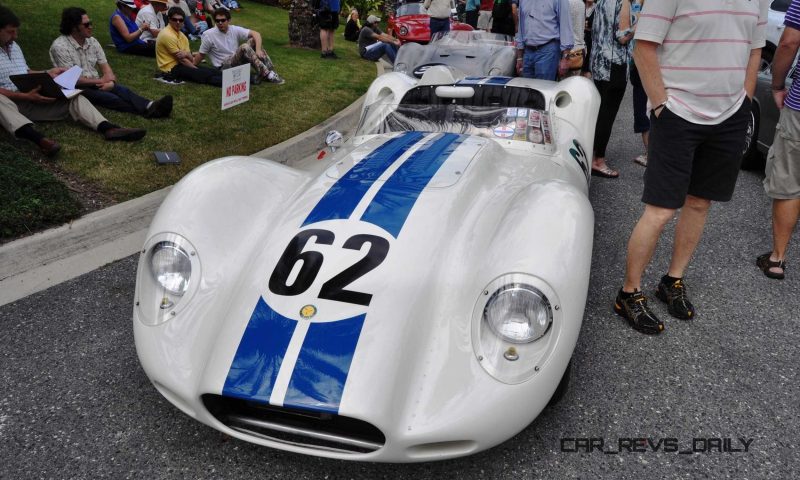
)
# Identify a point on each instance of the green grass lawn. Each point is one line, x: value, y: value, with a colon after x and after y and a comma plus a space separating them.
x: 198, y: 130
x: 31, y: 198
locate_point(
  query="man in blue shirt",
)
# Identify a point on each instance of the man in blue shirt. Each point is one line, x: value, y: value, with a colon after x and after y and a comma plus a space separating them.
x: 328, y: 18
x: 472, y: 12
x: 544, y: 38
x: 782, y: 181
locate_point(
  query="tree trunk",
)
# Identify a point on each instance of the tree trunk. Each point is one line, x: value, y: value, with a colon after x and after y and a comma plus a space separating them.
x: 303, y: 30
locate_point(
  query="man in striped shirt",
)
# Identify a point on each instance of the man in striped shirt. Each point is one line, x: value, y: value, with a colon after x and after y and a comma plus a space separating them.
x: 698, y: 61
x: 782, y: 182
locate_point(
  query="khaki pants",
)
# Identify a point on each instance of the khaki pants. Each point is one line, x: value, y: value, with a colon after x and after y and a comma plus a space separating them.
x: 14, y: 115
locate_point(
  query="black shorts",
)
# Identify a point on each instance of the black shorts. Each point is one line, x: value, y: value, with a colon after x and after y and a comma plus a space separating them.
x: 328, y: 20
x: 688, y: 158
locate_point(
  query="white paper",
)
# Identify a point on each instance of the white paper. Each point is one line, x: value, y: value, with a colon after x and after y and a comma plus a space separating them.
x: 69, y: 78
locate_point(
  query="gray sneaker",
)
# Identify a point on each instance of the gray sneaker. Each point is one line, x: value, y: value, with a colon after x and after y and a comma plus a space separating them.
x: 276, y: 79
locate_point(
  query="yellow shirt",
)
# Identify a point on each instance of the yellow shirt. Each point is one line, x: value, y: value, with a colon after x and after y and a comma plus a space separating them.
x: 168, y: 43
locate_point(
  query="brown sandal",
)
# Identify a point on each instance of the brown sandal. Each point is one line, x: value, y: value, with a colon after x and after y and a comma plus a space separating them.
x: 764, y: 263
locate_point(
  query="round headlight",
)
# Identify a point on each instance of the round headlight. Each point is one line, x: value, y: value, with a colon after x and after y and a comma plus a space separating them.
x: 171, y: 267
x: 403, y: 30
x: 518, y: 313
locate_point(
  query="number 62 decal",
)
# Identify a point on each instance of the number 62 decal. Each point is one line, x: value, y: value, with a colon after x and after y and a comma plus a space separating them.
x: 334, y: 288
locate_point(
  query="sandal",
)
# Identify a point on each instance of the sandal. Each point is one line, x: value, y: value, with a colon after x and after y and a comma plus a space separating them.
x: 641, y: 160
x: 764, y: 263
x: 605, y: 172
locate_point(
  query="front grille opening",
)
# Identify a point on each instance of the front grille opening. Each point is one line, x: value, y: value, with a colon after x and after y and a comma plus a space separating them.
x: 323, y: 431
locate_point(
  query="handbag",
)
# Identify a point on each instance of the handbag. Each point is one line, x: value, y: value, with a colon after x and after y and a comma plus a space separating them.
x: 575, y: 58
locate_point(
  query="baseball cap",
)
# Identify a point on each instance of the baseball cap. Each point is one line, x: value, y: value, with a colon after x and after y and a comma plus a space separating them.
x: 127, y: 3
x: 373, y: 19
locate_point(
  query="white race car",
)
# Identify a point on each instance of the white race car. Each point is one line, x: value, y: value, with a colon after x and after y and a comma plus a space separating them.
x: 416, y: 295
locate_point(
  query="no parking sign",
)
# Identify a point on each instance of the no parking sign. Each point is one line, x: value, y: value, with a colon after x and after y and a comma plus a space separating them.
x: 235, y: 85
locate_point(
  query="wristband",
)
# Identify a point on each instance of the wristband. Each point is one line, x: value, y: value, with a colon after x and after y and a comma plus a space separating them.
x: 662, y: 104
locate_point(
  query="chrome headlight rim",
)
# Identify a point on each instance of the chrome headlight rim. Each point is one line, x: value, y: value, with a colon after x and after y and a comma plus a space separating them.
x: 402, y: 30
x: 518, y: 287
x: 179, y: 252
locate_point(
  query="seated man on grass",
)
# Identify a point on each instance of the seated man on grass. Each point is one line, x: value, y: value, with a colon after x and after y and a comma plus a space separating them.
x: 18, y: 110
x: 373, y: 44
x: 174, y: 58
x: 222, y: 44
x: 77, y: 46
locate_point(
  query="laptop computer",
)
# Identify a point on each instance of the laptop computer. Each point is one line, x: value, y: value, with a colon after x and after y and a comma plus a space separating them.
x: 28, y: 81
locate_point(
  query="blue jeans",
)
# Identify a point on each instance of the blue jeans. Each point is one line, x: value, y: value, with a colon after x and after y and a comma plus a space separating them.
x: 439, y: 25
x: 542, y: 63
x: 377, y: 52
x: 119, y: 98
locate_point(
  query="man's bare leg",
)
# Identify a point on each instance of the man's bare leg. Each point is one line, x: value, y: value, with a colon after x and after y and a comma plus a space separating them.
x: 784, y: 219
x: 642, y: 244
x: 690, y: 226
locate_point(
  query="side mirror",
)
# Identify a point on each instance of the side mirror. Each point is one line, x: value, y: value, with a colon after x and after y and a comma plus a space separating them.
x: 334, y: 140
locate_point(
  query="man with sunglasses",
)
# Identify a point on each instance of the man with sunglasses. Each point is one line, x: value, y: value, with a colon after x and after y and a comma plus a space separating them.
x: 223, y: 44
x: 77, y: 46
x: 174, y: 58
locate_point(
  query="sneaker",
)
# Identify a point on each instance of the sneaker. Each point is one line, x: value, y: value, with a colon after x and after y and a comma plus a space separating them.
x: 332, y: 55
x: 634, y: 309
x: 159, y: 108
x: 275, y: 78
x: 124, y: 134
x: 674, y: 295
x: 168, y: 79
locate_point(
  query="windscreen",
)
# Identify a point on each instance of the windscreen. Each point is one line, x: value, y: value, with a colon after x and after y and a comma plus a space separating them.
x: 502, y: 123
x: 475, y: 37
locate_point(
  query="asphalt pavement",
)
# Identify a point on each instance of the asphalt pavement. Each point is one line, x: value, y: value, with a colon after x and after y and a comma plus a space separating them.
x: 74, y: 402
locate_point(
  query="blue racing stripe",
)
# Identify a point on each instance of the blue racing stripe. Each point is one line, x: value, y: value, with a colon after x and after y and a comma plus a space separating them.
x: 470, y: 81
x: 260, y: 354
x: 498, y: 80
x: 394, y: 201
x: 323, y: 365
x: 344, y: 195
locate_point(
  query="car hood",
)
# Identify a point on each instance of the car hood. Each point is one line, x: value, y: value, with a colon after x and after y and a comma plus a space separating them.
x: 361, y: 269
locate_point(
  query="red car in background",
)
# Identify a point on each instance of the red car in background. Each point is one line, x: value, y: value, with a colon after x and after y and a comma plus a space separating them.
x: 411, y: 23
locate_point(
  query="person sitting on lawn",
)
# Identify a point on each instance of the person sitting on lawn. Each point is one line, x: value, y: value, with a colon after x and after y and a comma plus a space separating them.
x: 18, y: 110
x: 126, y: 34
x: 192, y: 26
x: 223, y: 44
x: 174, y: 58
x: 151, y: 19
x: 77, y: 46
x: 373, y: 44
x: 352, y: 27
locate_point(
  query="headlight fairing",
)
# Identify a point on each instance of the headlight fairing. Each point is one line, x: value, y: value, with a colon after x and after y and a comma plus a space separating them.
x: 512, y: 326
x: 169, y: 272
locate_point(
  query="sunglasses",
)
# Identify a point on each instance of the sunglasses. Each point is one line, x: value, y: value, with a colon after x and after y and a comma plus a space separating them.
x: 220, y: 20
x: 87, y: 24
x: 176, y: 19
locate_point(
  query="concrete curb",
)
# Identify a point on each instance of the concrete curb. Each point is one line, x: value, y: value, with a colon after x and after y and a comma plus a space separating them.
x: 44, y: 259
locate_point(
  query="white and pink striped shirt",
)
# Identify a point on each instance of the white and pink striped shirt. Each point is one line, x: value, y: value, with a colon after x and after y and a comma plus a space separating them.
x: 704, y: 49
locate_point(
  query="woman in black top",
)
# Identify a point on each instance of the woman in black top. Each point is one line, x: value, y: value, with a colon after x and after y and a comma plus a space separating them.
x: 352, y: 27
